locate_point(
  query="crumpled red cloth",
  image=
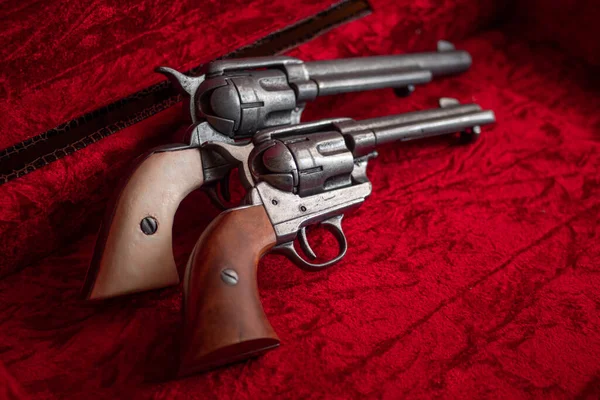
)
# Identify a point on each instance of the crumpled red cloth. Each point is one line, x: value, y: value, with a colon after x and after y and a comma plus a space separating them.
x: 473, y: 271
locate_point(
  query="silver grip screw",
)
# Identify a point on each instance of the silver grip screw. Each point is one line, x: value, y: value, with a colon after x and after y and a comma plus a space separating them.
x: 149, y: 225
x: 229, y: 276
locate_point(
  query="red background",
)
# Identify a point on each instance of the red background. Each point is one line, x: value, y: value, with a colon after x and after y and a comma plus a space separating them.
x: 473, y: 271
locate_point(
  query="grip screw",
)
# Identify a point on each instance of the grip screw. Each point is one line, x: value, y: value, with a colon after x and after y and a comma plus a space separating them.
x: 229, y: 276
x: 149, y: 225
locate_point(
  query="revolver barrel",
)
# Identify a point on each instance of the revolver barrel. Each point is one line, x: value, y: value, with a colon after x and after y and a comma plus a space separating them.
x: 365, y: 73
x: 360, y: 81
x: 451, y: 117
x: 434, y: 126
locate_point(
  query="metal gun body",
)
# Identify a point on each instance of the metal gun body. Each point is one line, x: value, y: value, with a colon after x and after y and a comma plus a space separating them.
x: 315, y: 172
x: 239, y: 97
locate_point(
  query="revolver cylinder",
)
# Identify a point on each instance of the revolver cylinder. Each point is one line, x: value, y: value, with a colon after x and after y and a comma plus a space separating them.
x: 246, y: 102
x: 307, y: 164
x: 445, y: 61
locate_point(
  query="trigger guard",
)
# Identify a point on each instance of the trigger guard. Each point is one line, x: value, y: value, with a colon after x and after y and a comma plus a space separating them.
x: 333, y: 225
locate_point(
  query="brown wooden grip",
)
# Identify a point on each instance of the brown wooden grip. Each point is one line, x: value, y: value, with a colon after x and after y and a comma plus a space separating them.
x: 224, y: 320
x: 128, y: 259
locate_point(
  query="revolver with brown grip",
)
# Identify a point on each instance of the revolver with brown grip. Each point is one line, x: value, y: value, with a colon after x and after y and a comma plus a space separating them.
x: 229, y: 104
x: 295, y: 177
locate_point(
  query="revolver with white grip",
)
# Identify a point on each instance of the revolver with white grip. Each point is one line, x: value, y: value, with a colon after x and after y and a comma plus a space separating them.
x: 230, y: 103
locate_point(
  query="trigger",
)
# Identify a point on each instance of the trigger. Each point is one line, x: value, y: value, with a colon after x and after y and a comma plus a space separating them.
x: 304, y: 244
x: 224, y: 187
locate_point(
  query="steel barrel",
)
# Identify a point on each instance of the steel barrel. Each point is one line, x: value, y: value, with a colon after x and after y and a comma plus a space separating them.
x: 441, y: 125
x: 452, y: 117
x: 439, y: 63
x: 390, y: 121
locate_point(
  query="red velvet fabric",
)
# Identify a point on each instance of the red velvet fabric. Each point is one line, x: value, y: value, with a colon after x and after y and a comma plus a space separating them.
x: 472, y: 270
x: 570, y: 24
